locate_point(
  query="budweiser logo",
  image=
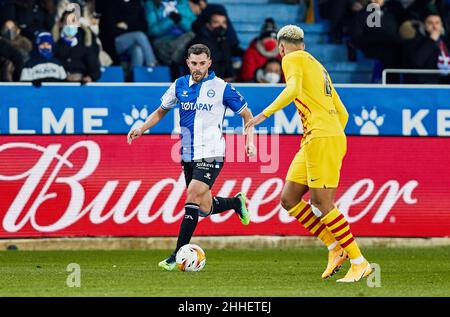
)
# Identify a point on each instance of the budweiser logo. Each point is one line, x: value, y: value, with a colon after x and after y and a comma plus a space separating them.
x: 38, y: 179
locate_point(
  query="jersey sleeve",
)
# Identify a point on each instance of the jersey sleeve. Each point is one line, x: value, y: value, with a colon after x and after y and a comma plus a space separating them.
x: 294, y: 77
x: 233, y: 99
x: 169, y: 100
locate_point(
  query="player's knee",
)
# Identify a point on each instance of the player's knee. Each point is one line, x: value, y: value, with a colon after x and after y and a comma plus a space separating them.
x: 193, y: 196
x: 288, y: 202
x: 321, y: 205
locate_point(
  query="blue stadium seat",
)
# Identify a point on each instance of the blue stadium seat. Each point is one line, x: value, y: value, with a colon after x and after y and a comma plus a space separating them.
x: 157, y: 74
x: 111, y: 74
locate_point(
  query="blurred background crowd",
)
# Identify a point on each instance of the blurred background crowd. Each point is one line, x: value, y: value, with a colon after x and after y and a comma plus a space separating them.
x: 40, y: 39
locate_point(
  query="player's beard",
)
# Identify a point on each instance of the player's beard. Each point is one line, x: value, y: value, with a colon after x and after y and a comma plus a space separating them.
x: 197, y: 76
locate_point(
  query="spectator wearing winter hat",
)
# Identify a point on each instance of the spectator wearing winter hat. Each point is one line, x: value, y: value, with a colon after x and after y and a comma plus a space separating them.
x: 42, y: 66
x: 260, y: 50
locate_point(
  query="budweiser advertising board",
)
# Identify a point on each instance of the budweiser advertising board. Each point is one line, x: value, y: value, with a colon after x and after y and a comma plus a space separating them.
x: 101, y: 186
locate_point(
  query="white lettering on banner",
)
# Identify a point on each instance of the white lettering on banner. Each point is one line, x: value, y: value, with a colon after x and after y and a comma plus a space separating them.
x: 16, y: 217
x: 89, y: 123
x: 14, y: 123
x: 283, y: 125
x: 414, y: 122
x: 34, y: 176
x: 49, y: 122
x: 394, y: 193
x: 443, y: 122
x: 259, y: 199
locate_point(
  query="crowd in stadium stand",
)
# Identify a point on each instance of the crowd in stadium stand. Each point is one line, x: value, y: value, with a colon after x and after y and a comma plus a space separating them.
x: 412, y: 34
x: 38, y: 44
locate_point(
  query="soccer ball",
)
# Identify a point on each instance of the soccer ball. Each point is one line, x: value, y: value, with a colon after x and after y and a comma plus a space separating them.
x: 190, y: 258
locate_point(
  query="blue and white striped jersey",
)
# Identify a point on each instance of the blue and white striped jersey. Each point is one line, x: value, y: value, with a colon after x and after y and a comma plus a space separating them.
x: 202, y: 110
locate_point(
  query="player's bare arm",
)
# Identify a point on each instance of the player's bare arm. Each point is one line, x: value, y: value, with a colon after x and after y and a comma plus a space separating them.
x: 250, y: 148
x: 150, y: 122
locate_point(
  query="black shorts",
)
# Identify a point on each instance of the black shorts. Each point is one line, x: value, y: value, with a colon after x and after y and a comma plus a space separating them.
x: 205, y: 170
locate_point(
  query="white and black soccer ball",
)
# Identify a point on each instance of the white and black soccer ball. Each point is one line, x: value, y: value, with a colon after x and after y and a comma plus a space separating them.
x: 190, y: 258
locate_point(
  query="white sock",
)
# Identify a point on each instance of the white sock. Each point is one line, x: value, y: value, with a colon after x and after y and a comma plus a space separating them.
x: 358, y: 260
x: 332, y: 246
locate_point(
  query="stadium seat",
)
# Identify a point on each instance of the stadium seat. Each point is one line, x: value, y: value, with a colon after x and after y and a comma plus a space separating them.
x: 111, y: 74
x: 158, y: 74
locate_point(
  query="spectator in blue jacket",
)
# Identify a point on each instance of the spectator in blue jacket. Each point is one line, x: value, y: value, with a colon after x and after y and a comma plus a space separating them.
x: 42, y: 66
x: 169, y: 26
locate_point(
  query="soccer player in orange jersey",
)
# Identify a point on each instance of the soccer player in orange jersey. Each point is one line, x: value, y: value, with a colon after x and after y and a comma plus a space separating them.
x: 316, y: 166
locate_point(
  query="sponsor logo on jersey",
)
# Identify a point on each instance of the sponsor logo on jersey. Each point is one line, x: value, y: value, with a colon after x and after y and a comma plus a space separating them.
x: 196, y: 106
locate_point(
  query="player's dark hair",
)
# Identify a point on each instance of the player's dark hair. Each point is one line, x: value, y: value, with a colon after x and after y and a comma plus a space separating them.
x: 198, y: 49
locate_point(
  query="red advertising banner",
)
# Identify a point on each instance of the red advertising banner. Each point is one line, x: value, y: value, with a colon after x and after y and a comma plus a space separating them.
x: 101, y: 186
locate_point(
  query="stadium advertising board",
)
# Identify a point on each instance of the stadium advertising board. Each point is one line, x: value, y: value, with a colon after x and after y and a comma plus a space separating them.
x: 115, y: 109
x: 101, y: 186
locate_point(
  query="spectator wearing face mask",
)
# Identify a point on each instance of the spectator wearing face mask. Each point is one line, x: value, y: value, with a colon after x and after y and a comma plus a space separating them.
x: 270, y: 72
x: 260, y: 50
x: 78, y: 56
x: 202, y: 9
x: 11, y: 33
x: 42, y: 66
x: 89, y: 22
x: 214, y: 35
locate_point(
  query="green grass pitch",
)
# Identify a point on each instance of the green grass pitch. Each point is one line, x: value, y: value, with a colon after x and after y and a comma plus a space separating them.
x: 241, y: 273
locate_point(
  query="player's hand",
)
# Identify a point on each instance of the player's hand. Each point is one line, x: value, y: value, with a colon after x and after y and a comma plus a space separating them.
x: 250, y: 149
x: 133, y: 134
x: 254, y: 122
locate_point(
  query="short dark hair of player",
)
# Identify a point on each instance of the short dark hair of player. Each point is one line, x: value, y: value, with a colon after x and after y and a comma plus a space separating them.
x: 198, y: 49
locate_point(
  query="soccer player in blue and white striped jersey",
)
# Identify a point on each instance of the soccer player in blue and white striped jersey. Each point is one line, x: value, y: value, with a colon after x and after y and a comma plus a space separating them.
x: 203, y: 99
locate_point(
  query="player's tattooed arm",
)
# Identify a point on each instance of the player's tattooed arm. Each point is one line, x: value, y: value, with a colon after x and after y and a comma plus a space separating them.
x: 150, y: 122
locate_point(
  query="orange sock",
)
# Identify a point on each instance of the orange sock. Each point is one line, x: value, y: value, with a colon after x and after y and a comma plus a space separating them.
x: 340, y: 229
x: 303, y: 212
